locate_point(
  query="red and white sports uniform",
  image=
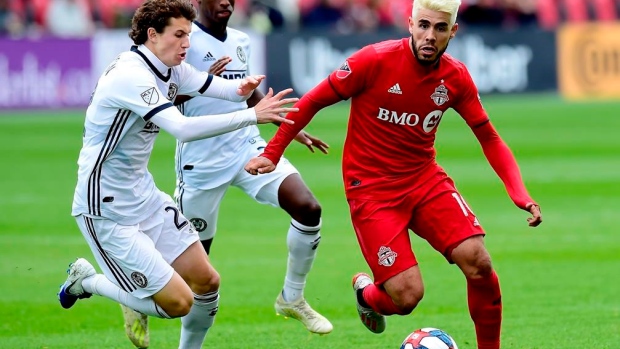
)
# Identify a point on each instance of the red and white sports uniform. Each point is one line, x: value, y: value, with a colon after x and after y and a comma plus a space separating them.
x: 391, y: 178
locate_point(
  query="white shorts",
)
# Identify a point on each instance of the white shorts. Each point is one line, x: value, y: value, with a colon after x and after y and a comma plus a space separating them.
x: 137, y: 257
x: 201, y: 207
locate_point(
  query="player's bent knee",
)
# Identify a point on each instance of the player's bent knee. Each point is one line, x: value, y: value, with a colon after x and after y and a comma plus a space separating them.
x: 177, y: 307
x: 307, y: 212
x: 407, y: 298
x: 206, y: 282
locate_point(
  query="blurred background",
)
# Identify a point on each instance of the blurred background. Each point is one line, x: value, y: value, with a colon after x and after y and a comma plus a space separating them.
x: 510, y: 46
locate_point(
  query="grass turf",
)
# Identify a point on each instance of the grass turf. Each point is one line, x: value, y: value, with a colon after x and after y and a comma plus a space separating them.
x: 557, y: 280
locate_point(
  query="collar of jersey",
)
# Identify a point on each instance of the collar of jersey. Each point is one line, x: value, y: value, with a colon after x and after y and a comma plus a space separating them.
x: 153, y: 62
x: 208, y: 31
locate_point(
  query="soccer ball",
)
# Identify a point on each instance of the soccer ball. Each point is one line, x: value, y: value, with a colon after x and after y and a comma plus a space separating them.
x: 428, y: 338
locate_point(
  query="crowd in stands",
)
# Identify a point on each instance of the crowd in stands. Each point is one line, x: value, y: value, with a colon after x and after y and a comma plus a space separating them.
x: 79, y: 18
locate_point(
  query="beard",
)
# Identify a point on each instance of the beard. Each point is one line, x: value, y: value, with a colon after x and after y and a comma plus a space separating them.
x: 427, y: 62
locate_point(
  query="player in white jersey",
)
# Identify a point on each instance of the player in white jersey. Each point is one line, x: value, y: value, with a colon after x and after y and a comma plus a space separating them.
x: 207, y: 168
x: 149, y: 253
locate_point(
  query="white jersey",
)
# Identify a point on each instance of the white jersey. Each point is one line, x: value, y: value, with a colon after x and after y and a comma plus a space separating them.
x: 210, y: 162
x: 113, y: 179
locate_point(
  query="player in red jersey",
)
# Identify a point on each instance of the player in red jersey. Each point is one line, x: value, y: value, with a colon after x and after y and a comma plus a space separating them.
x: 399, y: 92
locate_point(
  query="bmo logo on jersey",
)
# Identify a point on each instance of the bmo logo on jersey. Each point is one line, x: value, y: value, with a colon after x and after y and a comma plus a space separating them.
x: 411, y: 119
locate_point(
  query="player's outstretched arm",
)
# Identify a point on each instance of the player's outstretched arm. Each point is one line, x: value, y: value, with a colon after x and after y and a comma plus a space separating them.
x: 190, y: 129
x: 502, y: 160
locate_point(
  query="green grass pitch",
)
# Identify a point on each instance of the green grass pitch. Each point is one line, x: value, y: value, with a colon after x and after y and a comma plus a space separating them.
x: 559, y: 281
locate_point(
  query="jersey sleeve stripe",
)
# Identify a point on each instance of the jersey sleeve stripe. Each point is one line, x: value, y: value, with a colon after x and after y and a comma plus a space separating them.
x: 207, y: 84
x: 152, y: 113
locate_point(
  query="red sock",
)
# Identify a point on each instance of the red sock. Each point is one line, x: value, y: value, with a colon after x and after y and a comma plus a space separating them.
x: 379, y: 300
x: 484, y: 298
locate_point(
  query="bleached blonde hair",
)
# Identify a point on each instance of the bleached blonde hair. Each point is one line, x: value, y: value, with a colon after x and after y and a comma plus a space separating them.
x: 447, y: 6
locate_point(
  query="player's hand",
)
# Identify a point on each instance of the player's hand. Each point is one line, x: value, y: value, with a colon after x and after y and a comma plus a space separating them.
x: 271, y: 106
x: 536, y: 218
x: 219, y: 66
x: 311, y: 142
x: 249, y: 84
x: 259, y: 165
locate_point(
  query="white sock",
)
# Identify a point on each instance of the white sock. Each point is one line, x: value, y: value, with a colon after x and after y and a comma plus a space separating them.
x: 100, y: 285
x: 302, y: 244
x: 199, y: 320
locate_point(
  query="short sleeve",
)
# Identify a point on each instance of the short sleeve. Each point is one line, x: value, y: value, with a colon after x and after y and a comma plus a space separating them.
x: 192, y: 81
x: 137, y: 91
x: 350, y: 79
x: 468, y: 104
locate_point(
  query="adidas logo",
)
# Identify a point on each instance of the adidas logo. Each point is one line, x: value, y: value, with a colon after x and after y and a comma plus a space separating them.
x: 208, y: 57
x: 395, y: 89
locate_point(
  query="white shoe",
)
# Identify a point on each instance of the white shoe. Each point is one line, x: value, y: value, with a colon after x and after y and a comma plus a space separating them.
x: 136, y: 327
x: 301, y: 310
x: 373, y: 321
x: 72, y: 289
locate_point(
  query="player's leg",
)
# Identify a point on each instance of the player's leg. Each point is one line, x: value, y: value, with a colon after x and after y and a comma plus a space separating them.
x: 178, y: 243
x: 450, y: 226
x: 484, y: 296
x: 304, y: 233
x: 194, y: 266
x: 284, y: 188
x: 381, y: 230
x: 135, y: 274
x: 202, y: 208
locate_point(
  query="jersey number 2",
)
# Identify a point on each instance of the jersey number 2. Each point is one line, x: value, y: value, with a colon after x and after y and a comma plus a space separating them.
x: 178, y: 224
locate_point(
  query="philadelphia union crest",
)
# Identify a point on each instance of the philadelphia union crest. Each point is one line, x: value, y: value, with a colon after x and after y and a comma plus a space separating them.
x: 440, y: 96
x: 139, y: 279
x: 387, y: 257
x: 199, y: 224
x: 241, y: 54
x: 173, y: 89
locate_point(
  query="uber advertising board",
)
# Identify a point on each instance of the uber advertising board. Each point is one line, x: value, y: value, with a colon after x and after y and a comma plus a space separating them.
x: 499, y: 62
x: 589, y: 61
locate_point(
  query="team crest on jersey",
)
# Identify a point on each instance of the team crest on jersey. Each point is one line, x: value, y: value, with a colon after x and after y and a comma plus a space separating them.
x: 241, y: 54
x: 150, y: 96
x: 343, y: 71
x: 440, y: 96
x: 387, y: 257
x: 172, y: 91
x: 139, y: 279
x: 199, y: 224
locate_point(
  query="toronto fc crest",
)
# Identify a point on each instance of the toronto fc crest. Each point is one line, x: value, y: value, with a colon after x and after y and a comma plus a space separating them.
x: 440, y: 96
x: 387, y: 257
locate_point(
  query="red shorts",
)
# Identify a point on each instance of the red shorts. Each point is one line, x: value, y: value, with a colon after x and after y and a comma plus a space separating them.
x: 435, y: 211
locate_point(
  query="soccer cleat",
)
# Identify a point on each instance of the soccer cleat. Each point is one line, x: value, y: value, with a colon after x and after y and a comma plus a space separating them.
x: 136, y: 327
x: 373, y: 321
x: 301, y: 310
x: 72, y: 289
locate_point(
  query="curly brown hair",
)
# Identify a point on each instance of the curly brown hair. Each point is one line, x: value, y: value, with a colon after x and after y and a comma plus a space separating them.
x: 157, y: 14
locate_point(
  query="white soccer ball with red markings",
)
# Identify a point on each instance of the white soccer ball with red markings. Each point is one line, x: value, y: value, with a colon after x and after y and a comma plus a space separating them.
x: 429, y: 338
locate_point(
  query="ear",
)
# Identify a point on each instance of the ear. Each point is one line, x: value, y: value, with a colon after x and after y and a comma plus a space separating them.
x: 455, y: 28
x: 151, y: 34
x: 411, y: 24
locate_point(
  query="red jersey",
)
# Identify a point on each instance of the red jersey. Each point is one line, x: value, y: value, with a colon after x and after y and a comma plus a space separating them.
x: 396, y: 107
